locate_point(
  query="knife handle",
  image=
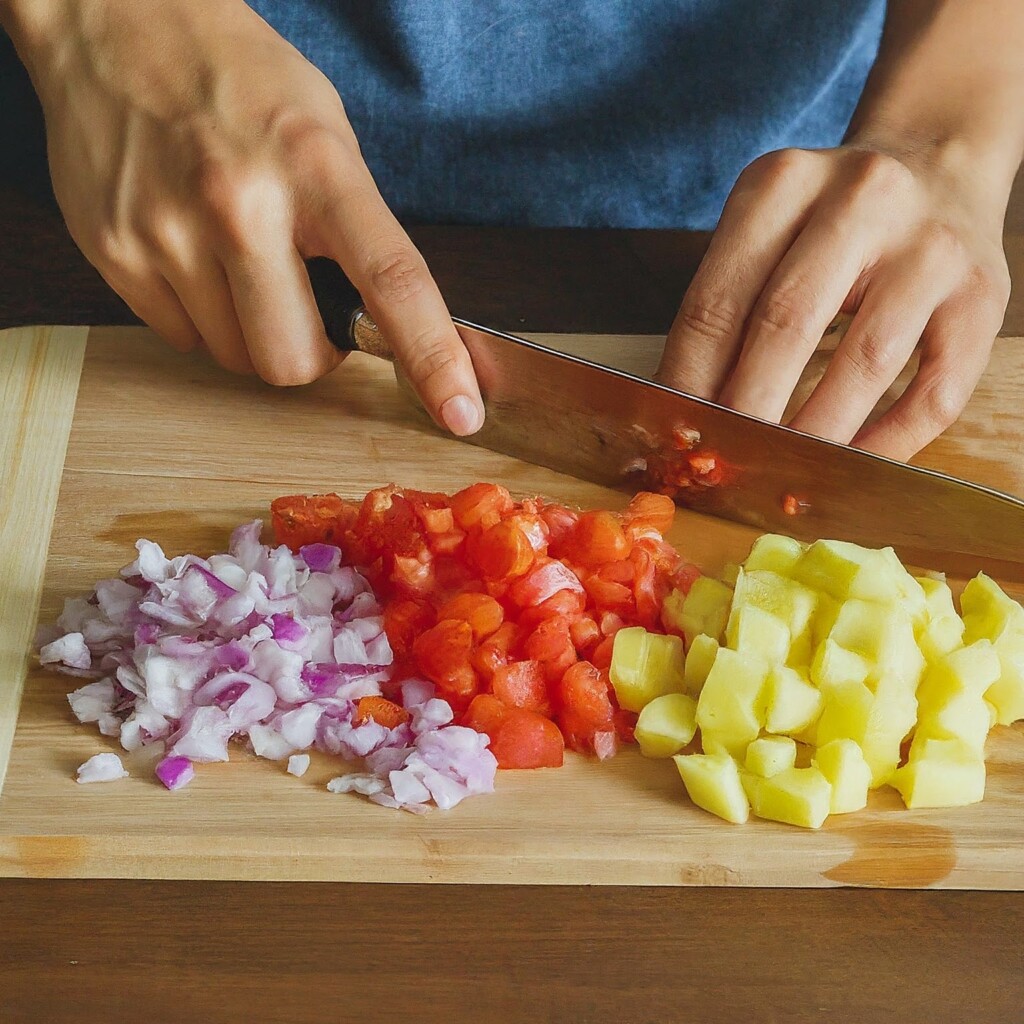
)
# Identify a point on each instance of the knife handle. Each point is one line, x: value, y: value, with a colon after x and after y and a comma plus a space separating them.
x: 348, y: 325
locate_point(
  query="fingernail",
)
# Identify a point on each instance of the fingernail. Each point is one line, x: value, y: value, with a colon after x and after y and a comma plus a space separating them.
x: 461, y: 415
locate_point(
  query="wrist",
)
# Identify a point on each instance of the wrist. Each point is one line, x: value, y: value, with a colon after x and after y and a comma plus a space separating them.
x: 979, y: 166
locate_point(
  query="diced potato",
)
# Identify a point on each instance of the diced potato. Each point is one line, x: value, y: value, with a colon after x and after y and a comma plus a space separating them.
x: 796, y: 796
x: 792, y: 704
x: 666, y: 725
x: 731, y: 706
x: 941, y: 635
x: 883, y: 634
x: 843, y: 571
x: 699, y: 659
x: 970, y: 669
x: 774, y: 552
x: 842, y: 763
x: 713, y: 783
x: 705, y: 609
x: 1006, y: 694
x: 963, y: 716
x: 913, y: 598
x: 770, y: 755
x: 834, y: 665
x: 944, y: 773
x: 846, y: 713
x: 792, y: 602
x: 644, y: 666
x: 988, y: 612
x: 752, y: 630
x: 938, y: 596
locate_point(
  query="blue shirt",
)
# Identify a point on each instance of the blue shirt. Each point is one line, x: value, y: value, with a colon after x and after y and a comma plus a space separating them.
x: 597, y: 113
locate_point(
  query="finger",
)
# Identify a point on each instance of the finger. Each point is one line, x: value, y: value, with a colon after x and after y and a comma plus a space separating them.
x: 361, y: 233
x: 206, y: 296
x: 800, y: 300
x: 152, y: 299
x: 893, y: 314
x: 761, y: 218
x: 956, y: 346
x: 277, y: 313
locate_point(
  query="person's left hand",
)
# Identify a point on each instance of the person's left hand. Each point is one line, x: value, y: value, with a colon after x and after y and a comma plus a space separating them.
x: 908, y: 246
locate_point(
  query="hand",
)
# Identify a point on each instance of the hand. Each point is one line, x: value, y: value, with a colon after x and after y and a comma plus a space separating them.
x: 899, y: 241
x: 198, y: 158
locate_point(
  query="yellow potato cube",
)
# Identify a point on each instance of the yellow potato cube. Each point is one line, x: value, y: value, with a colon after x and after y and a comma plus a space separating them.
x: 666, y: 725
x: 792, y: 602
x: 774, y: 552
x: 713, y: 783
x: 843, y: 571
x: 842, y: 763
x: 944, y: 773
x: 940, y: 636
x: 796, y: 796
x: 938, y: 596
x: 770, y: 755
x: 883, y: 634
x: 752, y: 630
x: 971, y: 669
x: 699, y: 659
x: 963, y: 716
x: 834, y: 665
x: 1006, y: 694
x: 792, y: 704
x: 731, y: 706
x: 988, y: 612
x: 644, y: 666
x: 705, y: 609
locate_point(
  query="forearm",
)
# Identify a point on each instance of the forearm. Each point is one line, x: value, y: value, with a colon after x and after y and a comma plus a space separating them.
x: 949, y: 83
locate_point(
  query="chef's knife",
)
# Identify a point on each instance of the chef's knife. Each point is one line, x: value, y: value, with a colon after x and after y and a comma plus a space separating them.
x: 624, y: 432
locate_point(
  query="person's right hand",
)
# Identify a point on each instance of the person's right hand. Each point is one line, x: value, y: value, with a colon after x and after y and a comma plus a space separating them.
x: 198, y: 158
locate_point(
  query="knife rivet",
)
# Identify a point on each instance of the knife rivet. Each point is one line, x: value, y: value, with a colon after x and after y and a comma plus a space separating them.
x: 793, y: 506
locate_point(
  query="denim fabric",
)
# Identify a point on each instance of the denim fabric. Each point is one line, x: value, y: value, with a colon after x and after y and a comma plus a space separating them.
x: 598, y: 113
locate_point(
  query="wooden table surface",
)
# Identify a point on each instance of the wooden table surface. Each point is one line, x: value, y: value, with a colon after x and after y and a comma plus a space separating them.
x: 99, y: 950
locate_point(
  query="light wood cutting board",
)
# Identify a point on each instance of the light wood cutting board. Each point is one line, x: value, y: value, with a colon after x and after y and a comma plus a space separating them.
x: 170, y: 448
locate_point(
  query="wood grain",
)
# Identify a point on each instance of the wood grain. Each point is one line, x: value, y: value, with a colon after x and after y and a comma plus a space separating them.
x: 235, y: 953
x: 201, y: 451
x: 39, y: 370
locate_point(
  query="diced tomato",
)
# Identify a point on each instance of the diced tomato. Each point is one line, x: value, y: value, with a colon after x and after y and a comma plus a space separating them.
x: 565, y: 604
x: 584, y: 691
x: 608, y: 595
x: 437, y: 520
x: 602, y: 656
x: 526, y: 739
x: 446, y: 543
x: 619, y: 572
x: 560, y: 522
x: 443, y: 652
x: 683, y: 578
x: 645, y: 589
x: 485, y: 714
x: 610, y: 623
x: 482, y: 612
x: 585, y: 633
x: 502, y: 551
x: 480, y: 505
x: 404, y: 621
x: 414, y: 575
x: 318, y: 519
x: 544, y: 581
x: 494, y: 651
x: 522, y: 684
x: 655, y: 511
x: 598, y: 539
x: 534, y: 529
x: 625, y: 725
x: 382, y: 711
x: 551, y: 644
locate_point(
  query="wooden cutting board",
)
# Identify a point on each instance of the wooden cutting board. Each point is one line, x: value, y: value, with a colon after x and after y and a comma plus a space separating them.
x: 172, y: 449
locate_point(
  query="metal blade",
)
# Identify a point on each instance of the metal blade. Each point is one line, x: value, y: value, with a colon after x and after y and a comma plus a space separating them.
x: 618, y: 430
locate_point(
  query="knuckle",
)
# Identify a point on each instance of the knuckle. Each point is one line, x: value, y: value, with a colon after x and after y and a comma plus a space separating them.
x: 293, y: 373
x: 943, y: 242
x: 777, y: 166
x: 313, y: 146
x: 879, y: 172
x: 786, y: 311
x: 239, y: 200
x: 708, y: 317
x: 991, y: 284
x: 397, y: 275
x: 943, y: 402
x: 434, y: 359
x: 873, y: 357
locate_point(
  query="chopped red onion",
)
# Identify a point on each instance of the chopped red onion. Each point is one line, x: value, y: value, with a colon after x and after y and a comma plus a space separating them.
x: 257, y: 645
x: 175, y: 772
x: 101, y: 768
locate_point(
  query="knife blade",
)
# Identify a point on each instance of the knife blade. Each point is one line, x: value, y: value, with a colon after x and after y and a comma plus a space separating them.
x: 624, y: 432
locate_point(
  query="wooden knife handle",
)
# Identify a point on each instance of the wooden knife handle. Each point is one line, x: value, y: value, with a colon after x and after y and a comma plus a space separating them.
x: 349, y: 327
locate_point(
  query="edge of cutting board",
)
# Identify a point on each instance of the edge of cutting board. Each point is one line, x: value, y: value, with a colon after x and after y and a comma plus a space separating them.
x: 39, y: 372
